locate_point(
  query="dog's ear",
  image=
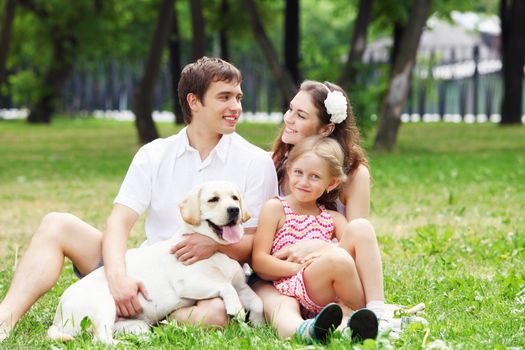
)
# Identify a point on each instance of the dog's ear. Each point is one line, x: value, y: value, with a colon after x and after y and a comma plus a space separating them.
x: 190, y: 208
x: 245, y: 214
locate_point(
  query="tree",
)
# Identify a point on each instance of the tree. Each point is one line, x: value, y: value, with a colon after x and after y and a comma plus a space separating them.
x: 64, y: 45
x: 198, y: 25
x: 223, y: 31
x: 399, y: 82
x: 143, y: 95
x: 357, y: 43
x: 291, y: 39
x: 175, y: 65
x: 282, y: 77
x: 5, y: 37
x: 512, y: 14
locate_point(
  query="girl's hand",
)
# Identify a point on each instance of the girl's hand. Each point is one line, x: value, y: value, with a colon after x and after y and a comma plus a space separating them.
x: 300, y: 250
x: 307, y: 262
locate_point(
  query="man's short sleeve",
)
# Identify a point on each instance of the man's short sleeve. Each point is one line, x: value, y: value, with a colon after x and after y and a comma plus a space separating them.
x: 261, y: 185
x: 135, y: 191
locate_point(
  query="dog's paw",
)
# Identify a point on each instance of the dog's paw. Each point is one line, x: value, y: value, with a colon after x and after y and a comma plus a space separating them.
x: 256, y: 315
x: 240, y: 316
x: 256, y: 318
x: 232, y: 309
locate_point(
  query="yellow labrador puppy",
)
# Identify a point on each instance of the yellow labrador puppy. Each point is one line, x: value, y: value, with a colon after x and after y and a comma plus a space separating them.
x: 214, y: 209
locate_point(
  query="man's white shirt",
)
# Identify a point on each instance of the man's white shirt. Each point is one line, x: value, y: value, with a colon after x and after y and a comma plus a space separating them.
x: 164, y: 171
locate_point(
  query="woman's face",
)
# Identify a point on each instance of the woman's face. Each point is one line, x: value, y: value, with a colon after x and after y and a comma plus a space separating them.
x: 301, y: 119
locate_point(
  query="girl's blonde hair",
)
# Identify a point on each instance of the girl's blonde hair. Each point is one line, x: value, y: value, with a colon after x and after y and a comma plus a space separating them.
x: 331, y: 152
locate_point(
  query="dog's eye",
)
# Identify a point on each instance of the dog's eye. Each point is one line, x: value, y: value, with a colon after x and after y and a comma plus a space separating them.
x: 213, y: 199
x: 235, y: 198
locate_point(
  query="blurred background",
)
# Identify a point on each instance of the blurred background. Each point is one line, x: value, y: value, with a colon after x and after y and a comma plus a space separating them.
x: 399, y: 61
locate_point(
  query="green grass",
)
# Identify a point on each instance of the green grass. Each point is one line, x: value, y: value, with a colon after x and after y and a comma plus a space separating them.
x: 447, y: 206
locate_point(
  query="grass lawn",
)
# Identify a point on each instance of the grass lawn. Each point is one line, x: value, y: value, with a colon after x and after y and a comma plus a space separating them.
x: 448, y: 206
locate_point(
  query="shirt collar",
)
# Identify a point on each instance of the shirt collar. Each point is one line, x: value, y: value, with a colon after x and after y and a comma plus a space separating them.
x: 184, y: 143
x: 221, y: 149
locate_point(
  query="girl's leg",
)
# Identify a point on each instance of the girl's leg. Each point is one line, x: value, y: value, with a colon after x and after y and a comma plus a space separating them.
x: 280, y: 310
x: 360, y: 241
x: 334, y: 275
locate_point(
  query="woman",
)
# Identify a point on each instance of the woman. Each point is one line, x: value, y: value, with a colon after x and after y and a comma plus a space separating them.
x: 324, y: 109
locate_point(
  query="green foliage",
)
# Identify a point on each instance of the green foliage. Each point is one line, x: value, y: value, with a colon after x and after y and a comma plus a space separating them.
x: 323, y: 52
x: 117, y: 30
x: 447, y: 207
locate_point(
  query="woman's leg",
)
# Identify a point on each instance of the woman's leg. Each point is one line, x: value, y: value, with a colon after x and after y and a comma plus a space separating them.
x: 280, y: 310
x: 59, y: 235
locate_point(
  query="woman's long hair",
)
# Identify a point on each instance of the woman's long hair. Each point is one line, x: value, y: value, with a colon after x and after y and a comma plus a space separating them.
x: 345, y: 133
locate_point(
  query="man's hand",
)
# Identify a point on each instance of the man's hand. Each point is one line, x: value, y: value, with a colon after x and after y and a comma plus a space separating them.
x: 125, y: 290
x: 194, y: 248
x: 299, y: 251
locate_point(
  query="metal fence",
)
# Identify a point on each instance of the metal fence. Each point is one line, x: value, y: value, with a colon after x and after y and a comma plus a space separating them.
x: 449, y: 81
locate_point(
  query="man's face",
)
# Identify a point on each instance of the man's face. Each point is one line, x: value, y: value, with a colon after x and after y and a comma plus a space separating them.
x: 221, y: 107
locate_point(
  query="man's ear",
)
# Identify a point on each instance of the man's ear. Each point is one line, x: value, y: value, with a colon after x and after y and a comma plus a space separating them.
x: 193, y: 101
x: 327, y: 130
x: 190, y: 208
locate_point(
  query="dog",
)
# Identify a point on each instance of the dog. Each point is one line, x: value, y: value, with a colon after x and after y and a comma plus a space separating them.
x: 214, y: 209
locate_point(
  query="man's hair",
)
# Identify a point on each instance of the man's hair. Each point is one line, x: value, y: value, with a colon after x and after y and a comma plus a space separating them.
x: 196, y: 78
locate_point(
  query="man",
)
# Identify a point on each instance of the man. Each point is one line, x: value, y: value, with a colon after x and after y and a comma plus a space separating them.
x: 161, y: 173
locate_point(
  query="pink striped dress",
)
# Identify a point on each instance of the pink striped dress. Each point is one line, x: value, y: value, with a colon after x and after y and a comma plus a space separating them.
x: 297, y: 228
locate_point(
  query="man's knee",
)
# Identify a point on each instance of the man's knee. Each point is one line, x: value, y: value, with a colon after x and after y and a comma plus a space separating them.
x: 55, y: 225
x: 212, y: 312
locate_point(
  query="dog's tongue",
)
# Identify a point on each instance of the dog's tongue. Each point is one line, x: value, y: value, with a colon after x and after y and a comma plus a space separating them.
x: 231, y: 234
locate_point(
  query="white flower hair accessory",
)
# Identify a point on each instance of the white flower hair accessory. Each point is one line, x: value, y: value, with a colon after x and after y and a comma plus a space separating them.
x: 336, y: 106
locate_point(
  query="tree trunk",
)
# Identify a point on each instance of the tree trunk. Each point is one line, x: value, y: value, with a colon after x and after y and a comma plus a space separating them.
x: 282, y: 76
x: 198, y: 46
x: 64, y: 53
x: 5, y: 37
x: 291, y: 40
x: 399, y: 29
x: 175, y: 65
x: 512, y: 13
x: 143, y: 94
x: 357, y: 44
x: 399, y: 84
x: 223, y: 32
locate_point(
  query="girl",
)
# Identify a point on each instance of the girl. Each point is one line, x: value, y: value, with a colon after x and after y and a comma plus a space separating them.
x: 315, y: 173
x: 323, y: 109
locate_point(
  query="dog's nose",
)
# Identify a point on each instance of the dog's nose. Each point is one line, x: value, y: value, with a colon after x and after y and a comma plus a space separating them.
x: 233, y: 213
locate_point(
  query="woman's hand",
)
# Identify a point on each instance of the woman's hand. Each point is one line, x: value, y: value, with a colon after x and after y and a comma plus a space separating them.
x: 300, y: 250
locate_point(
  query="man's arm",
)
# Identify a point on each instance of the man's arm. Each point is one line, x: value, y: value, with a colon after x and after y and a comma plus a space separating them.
x: 123, y: 288
x: 242, y: 251
x: 197, y: 247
